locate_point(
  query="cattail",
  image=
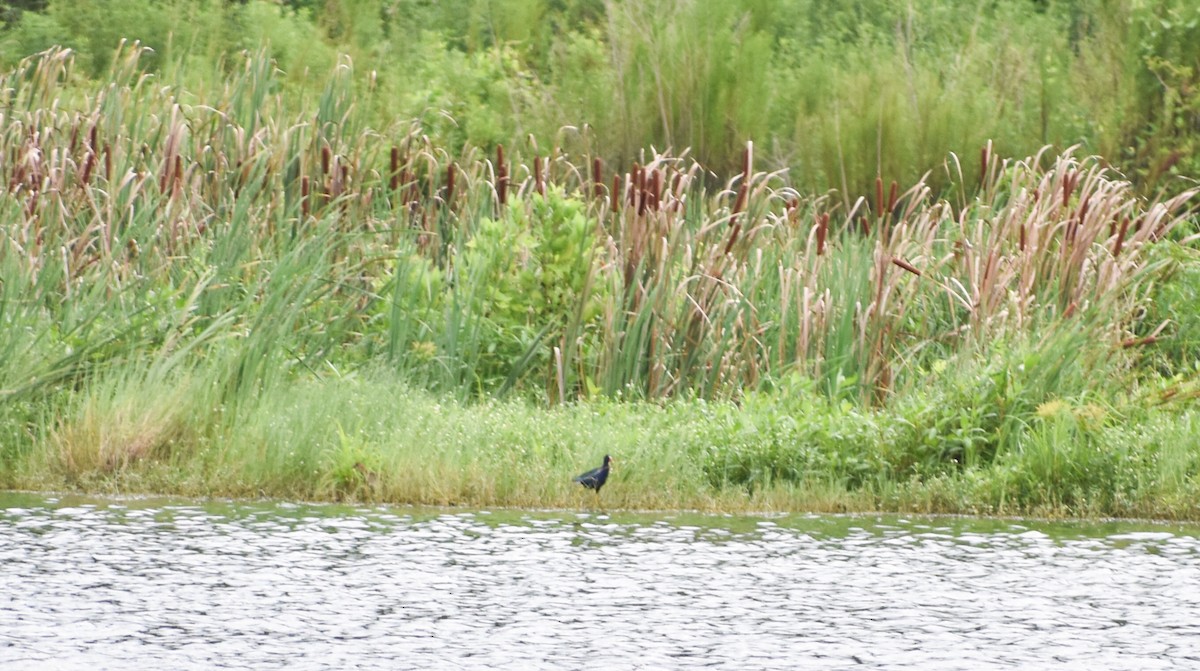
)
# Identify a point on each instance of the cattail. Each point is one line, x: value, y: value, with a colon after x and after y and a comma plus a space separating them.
x: 615, y: 197
x: 655, y: 190
x: 1121, y: 237
x: 641, y: 191
x: 177, y: 185
x: 597, y: 177
x: 395, y: 171
x: 450, y: 175
x: 983, y: 163
x: 906, y: 265
x: 1067, y: 186
x: 1083, y: 210
x: 108, y: 163
x: 501, y: 176
x: 1021, y: 243
x: 822, y: 231
x: 892, y: 196
x: 326, y: 159
x: 1138, y: 342
x: 89, y: 162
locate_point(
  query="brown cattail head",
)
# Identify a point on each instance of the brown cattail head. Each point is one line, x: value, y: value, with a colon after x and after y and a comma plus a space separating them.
x: 178, y: 182
x: 537, y: 176
x: 983, y: 163
x: 892, y: 196
x: 906, y: 265
x: 640, y: 190
x: 89, y: 162
x: 1021, y: 243
x: 615, y: 197
x: 326, y: 159
x: 394, y: 173
x: 655, y: 189
x: 1138, y: 342
x: 597, y: 177
x: 450, y: 177
x: 1083, y: 210
x: 501, y: 176
x: 1121, y: 237
x: 304, y: 196
x: 822, y: 232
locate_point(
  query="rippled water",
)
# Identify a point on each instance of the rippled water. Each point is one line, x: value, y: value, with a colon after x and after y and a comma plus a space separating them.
x: 138, y: 584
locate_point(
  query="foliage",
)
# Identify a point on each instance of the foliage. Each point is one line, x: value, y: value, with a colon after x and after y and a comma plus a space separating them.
x: 838, y: 93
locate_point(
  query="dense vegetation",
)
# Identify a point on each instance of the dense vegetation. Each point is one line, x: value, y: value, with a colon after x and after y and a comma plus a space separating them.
x: 838, y: 92
x: 222, y: 275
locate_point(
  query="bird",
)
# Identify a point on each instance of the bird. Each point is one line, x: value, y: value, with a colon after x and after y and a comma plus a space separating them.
x: 595, y: 478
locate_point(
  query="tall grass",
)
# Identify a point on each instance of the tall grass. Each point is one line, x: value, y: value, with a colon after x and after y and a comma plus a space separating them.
x: 839, y: 93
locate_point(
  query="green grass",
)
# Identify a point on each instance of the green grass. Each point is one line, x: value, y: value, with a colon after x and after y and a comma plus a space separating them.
x: 371, y: 438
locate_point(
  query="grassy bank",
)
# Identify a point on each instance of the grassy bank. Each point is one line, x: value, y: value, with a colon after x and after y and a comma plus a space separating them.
x: 366, y: 439
x: 214, y: 294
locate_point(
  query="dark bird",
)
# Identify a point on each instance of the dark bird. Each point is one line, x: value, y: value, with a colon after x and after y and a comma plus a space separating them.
x: 595, y: 478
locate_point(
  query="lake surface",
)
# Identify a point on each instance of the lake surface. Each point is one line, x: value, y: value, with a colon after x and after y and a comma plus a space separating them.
x: 153, y: 584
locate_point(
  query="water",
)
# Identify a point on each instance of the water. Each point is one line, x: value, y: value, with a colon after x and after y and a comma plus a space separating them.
x: 151, y: 584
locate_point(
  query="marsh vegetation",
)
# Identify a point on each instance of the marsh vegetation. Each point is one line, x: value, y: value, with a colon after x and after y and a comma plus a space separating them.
x: 250, y: 284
